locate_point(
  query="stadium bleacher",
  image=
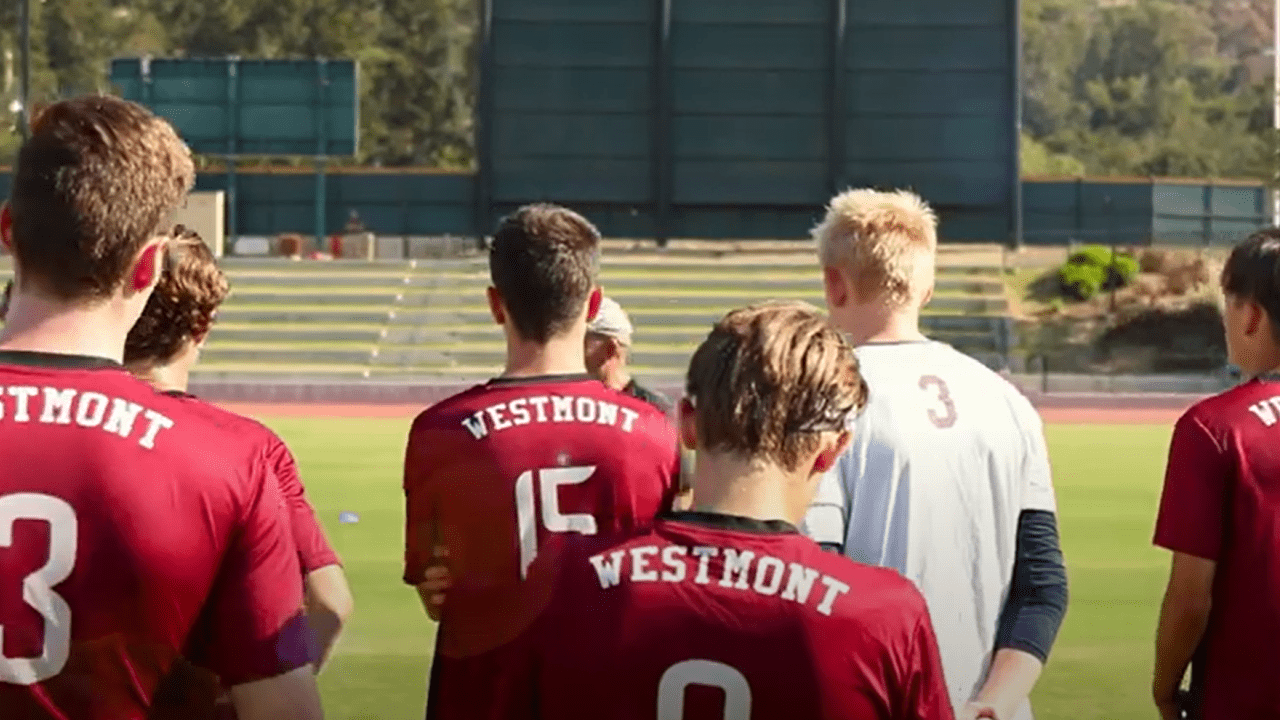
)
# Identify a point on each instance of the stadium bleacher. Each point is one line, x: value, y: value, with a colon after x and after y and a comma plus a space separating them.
x: 428, y: 319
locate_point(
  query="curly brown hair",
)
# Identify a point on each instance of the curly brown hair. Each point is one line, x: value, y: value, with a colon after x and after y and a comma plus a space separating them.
x: 184, y: 303
x: 770, y: 379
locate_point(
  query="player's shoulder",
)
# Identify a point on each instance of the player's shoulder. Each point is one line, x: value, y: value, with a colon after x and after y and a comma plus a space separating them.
x: 465, y: 402
x: 221, y: 417
x: 989, y: 383
x: 1249, y: 402
x: 879, y: 597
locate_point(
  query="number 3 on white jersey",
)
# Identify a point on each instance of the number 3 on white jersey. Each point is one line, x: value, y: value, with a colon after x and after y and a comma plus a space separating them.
x: 549, y: 481
x: 37, y: 588
x: 678, y: 677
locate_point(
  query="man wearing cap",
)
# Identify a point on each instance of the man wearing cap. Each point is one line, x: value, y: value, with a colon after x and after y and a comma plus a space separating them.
x: 608, y: 349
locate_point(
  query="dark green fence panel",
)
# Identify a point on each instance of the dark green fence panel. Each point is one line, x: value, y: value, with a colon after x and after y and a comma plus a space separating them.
x: 685, y: 117
x: 569, y: 89
x: 1142, y: 212
x: 931, y: 107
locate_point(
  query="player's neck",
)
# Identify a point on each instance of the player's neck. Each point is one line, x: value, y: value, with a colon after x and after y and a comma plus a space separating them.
x: 561, y: 355
x: 757, y: 490
x: 882, y: 325
x: 174, y: 377
x: 38, y: 324
x: 617, y: 378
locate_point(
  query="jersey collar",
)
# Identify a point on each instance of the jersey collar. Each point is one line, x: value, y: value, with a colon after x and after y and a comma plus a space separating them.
x: 57, y: 361
x: 736, y: 523
x: 539, y: 379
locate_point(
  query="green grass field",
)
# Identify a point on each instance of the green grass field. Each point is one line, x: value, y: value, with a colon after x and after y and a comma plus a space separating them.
x: 1108, y: 480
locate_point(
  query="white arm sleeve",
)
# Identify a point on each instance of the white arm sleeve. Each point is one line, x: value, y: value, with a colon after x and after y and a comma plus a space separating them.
x: 825, y: 520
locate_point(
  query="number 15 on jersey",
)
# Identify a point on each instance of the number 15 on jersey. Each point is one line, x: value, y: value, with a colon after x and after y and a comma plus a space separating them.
x: 548, y: 482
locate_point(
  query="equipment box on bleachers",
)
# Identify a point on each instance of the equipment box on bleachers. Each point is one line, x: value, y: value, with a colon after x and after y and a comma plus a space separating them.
x: 204, y: 212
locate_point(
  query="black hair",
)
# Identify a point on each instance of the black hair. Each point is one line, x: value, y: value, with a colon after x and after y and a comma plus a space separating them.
x: 1252, y: 272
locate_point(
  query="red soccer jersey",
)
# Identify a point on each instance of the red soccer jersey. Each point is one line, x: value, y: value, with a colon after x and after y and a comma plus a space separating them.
x: 491, y: 473
x: 314, y: 550
x: 134, y: 530
x: 708, y: 617
x: 1221, y: 502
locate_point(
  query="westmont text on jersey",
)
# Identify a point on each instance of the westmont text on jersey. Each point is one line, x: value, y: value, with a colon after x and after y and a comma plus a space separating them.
x: 86, y: 409
x: 768, y: 578
x: 550, y: 409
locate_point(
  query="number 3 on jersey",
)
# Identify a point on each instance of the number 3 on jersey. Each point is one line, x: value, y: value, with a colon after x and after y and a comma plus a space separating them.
x: 549, y: 482
x: 943, y: 414
x: 37, y: 588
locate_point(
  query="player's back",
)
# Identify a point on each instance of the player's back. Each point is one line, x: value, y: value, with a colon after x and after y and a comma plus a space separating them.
x: 710, y: 617
x: 119, y: 511
x: 498, y: 468
x: 942, y: 462
x: 1228, y: 510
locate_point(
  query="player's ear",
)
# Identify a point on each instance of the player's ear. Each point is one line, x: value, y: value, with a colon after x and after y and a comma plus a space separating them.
x: 495, y: 306
x: 6, y: 227
x: 149, y: 265
x: 928, y: 295
x: 837, y: 290
x: 593, y: 303
x: 1255, y: 318
x: 688, y: 425
x: 831, y: 451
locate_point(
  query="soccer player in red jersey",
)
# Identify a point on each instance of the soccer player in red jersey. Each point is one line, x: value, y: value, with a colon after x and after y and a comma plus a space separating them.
x: 492, y: 472
x: 132, y: 529
x: 727, y: 611
x: 162, y: 348
x: 1220, y: 515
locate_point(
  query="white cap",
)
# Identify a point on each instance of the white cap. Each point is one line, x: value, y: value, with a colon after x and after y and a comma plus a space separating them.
x: 612, y: 321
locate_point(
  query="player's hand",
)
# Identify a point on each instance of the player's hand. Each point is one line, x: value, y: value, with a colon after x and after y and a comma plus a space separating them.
x: 979, y: 711
x: 435, y: 583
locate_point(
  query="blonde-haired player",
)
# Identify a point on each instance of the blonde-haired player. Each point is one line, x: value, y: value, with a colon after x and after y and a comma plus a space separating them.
x: 947, y: 479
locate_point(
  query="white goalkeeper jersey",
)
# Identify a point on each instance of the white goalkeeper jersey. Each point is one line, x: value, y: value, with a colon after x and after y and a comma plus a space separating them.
x: 945, y: 457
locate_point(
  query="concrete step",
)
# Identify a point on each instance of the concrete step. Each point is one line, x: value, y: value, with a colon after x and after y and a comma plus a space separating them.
x: 300, y: 333
x: 301, y: 355
x: 302, y: 315
x: 363, y: 299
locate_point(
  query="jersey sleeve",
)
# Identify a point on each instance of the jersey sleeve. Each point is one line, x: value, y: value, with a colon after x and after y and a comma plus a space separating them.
x: 314, y: 550
x: 924, y: 689
x: 1192, y: 503
x: 253, y: 625
x: 1037, y: 474
x: 420, y: 513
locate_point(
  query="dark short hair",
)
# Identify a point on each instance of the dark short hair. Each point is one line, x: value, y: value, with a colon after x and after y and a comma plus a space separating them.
x: 184, y: 303
x: 769, y: 379
x: 98, y: 178
x: 1252, y: 272
x: 544, y: 261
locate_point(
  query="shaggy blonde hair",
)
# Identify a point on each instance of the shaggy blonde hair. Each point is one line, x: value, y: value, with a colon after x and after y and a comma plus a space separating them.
x: 886, y: 241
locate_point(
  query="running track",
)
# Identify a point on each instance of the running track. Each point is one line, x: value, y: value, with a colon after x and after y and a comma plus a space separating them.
x: 1099, y: 408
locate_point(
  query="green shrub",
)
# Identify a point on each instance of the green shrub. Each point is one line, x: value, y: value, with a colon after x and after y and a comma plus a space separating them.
x: 1112, y: 271
x: 1080, y: 281
x: 1122, y: 271
x: 1095, y: 255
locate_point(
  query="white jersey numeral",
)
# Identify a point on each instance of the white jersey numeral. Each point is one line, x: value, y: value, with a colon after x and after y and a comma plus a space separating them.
x: 678, y: 677
x: 549, y: 481
x: 37, y: 588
